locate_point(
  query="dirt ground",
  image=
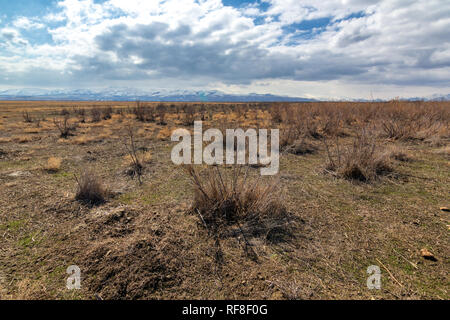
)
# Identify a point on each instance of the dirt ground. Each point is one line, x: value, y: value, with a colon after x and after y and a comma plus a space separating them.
x: 144, y: 242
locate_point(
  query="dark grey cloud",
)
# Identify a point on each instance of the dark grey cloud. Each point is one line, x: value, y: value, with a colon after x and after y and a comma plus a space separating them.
x: 180, y: 53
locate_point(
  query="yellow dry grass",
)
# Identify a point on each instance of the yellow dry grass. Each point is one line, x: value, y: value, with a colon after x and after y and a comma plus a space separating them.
x: 53, y: 164
x: 164, y: 134
x: 23, y: 139
x: 145, y: 157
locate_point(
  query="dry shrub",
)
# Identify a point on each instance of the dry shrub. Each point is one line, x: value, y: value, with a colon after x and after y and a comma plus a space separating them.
x: 81, y: 114
x: 64, y: 127
x: 412, y: 120
x: 276, y: 113
x: 235, y: 204
x: 288, y: 136
x: 90, y: 189
x: 398, y: 153
x: 136, y: 160
x: 144, y: 113
x: 301, y: 147
x: 397, y: 128
x: 53, y: 164
x: 27, y: 117
x: 161, y: 109
x: 96, y: 114
x: 189, y: 115
x: 107, y: 113
x: 64, y: 112
x: 362, y: 161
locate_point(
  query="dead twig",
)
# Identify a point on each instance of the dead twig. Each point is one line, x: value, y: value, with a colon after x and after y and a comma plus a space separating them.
x: 390, y: 274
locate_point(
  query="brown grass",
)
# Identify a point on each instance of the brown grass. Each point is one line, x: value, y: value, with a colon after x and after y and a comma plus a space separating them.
x: 53, y: 164
x: 233, y: 204
x: 314, y: 236
x: 90, y: 189
x: 363, y: 160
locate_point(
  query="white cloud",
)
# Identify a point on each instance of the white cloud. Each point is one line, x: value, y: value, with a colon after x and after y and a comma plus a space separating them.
x: 26, y: 23
x: 185, y: 42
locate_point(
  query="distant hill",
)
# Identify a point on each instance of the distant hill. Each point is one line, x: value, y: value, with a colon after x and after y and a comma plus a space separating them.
x: 130, y: 94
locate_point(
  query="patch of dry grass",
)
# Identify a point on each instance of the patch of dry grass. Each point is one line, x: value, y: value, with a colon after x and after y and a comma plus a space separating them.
x: 234, y: 203
x: 24, y: 139
x: 362, y: 160
x: 90, y: 188
x: 164, y: 134
x: 53, y: 164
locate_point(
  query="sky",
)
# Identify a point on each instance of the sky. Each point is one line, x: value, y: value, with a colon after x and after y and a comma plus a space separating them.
x: 301, y: 48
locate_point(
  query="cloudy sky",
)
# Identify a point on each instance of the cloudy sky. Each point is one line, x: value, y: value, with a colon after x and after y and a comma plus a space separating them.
x: 303, y: 48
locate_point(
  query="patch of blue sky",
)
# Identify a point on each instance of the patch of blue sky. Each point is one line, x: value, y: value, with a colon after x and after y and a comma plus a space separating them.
x: 10, y: 10
x: 37, y: 36
x: 353, y: 15
x: 114, y: 14
x: 306, y: 29
x: 261, y: 5
x: 309, y: 29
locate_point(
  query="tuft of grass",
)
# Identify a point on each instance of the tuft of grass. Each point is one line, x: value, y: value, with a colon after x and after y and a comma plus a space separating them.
x: 23, y: 139
x: 398, y: 153
x: 53, y: 164
x: 362, y: 161
x: 237, y: 204
x: 90, y: 188
x: 164, y: 134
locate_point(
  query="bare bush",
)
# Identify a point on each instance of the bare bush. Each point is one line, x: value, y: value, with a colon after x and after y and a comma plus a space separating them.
x: 144, y: 113
x: 276, y: 113
x: 64, y: 112
x: 136, y: 160
x: 96, y: 114
x: 288, y: 136
x: 27, y: 117
x: 107, y: 113
x: 90, y: 189
x: 189, y: 115
x: 64, y: 127
x: 361, y: 161
x: 81, y: 114
x: 161, y: 109
x: 235, y: 204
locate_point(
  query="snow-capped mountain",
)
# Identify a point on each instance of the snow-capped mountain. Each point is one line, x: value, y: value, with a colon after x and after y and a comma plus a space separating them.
x: 131, y: 94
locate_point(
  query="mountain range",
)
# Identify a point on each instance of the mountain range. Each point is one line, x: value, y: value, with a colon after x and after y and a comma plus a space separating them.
x: 131, y: 94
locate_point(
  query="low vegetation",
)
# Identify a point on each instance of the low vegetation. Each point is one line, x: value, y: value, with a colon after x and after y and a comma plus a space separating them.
x: 360, y: 184
x: 90, y: 188
x: 362, y: 160
x: 53, y: 164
